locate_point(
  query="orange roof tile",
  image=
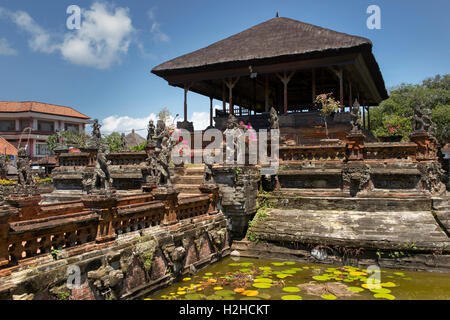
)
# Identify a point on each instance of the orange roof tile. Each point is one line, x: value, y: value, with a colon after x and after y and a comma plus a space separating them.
x: 27, y: 106
x: 7, y: 148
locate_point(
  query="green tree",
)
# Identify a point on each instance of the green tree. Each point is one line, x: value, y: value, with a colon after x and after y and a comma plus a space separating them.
x: 70, y: 139
x: 113, y: 142
x: 398, y: 109
x: 139, y: 147
x: 164, y: 114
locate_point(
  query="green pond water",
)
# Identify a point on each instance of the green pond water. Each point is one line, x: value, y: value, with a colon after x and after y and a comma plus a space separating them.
x: 260, y: 279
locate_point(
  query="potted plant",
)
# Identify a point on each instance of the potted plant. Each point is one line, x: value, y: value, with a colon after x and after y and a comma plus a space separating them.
x: 328, y: 106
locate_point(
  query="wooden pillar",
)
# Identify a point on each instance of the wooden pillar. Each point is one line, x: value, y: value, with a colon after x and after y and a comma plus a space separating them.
x: 230, y: 84
x: 285, y: 79
x: 341, y: 88
x: 350, y: 94
x: 211, y: 111
x: 186, y: 89
x: 313, y: 85
x: 364, y: 117
x: 224, y: 101
x: 266, y: 94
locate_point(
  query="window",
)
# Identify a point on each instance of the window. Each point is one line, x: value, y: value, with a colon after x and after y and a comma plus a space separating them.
x: 46, y: 126
x: 7, y: 125
x: 25, y: 123
x: 72, y: 127
x: 42, y: 149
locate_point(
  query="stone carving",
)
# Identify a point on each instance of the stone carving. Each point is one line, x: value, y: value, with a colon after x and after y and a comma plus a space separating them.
x: 150, y: 133
x: 208, y: 175
x: 123, y: 142
x: 105, y: 278
x: 24, y: 169
x: 359, y: 175
x: 96, y: 130
x: 161, y: 135
x: 3, y: 167
x: 162, y: 167
x: 422, y: 119
x: 102, y: 178
x: 356, y: 118
x: 274, y: 122
x: 431, y: 177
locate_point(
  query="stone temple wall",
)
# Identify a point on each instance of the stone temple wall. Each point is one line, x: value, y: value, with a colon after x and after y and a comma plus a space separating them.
x: 130, y: 267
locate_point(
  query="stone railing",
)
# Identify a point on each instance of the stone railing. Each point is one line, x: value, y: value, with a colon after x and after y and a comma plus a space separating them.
x: 335, y: 152
x: 28, y: 230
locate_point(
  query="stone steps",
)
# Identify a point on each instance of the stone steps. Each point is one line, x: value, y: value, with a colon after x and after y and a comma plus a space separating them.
x: 187, y: 188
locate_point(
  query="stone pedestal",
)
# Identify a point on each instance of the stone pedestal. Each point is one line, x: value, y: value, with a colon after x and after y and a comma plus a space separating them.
x: 27, y: 205
x: 170, y: 198
x: 213, y: 192
x: 427, y: 146
x: 355, y: 146
x: 238, y: 185
x: 105, y: 205
x: 5, y: 213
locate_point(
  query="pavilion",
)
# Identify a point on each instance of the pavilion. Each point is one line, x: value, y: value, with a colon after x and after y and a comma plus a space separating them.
x: 280, y: 63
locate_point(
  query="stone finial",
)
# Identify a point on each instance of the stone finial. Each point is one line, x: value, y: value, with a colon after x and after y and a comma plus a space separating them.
x: 274, y: 122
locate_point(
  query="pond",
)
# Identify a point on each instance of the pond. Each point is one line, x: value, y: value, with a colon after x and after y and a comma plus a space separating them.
x: 261, y: 279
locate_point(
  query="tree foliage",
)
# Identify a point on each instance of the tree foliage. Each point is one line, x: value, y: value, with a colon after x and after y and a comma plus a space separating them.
x: 398, y: 109
x: 164, y: 114
x: 70, y: 139
x: 113, y: 141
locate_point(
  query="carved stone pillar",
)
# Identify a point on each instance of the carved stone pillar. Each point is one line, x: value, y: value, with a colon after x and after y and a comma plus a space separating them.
x: 27, y: 205
x: 5, y: 213
x: 213, y: 192
x: 105, y: 205
x: 427, y: 146
x: 355, y: 146
x: 170, y: 198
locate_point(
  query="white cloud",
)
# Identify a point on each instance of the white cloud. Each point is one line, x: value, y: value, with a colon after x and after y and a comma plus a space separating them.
x: 6, y: 49
x: 117, y: 123
x: 124, y: 123
x: 40, y: 39
x: 155, y: 29
x: 105, y: 36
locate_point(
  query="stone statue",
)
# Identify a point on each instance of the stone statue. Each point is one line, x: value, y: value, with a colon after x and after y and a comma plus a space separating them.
x: 356, y: 118
x: 422, y: 119
x: 123, y: 142
x: 24, y: 169
x: 274, y: 122
x: 208, y: 174
x: 60, y: 138
x: 102, y: 178
x: 161, y: 136
x: 3, y: 166
x: 232, y: 133
x: 162, y: 166
x: 96, y: 130
x: 150, y: 132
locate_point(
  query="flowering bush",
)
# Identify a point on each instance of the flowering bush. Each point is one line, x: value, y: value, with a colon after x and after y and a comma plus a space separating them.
x: 394, y: 125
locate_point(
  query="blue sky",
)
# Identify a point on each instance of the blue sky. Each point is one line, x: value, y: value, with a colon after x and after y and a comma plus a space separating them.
x: 41, y: 60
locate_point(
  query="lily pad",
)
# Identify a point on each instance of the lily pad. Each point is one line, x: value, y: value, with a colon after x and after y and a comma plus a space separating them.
x: 399, y: 274
x: 291, y: 297
x: 194, y: 296
x: 321, y: 278
x: 250, y: 293
x: 382, y: 290
x: 265, y: 268
x: 289, y: 263
x: 187, y: 279
x: 225, y: 292
x: 282, y: 276
x: 355, y: 289
x: 262, y: 285
x: 278, y: 264
x: 384, y: 296
x: 244, y: 270
x: 208, y: 274
x: 246, y: 264
x: 266, y: 280
x: 218, y: 288
x: 264, y: 296
x: 214, y: 297
x: 328, y: 297
x: 291, y: 289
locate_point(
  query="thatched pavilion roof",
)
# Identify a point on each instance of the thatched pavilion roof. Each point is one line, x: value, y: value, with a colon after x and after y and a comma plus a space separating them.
x: 278, y: 40
x: 273, y: 38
